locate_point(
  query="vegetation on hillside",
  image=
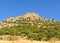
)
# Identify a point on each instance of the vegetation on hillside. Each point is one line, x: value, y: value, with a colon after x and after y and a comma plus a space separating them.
x: 33, y: 29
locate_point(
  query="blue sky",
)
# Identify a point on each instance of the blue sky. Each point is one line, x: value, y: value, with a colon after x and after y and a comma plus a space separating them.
x: 45, y: 8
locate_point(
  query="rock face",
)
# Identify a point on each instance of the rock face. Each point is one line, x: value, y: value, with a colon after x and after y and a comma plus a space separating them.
x: 27, y: 16
x: 31, y: 16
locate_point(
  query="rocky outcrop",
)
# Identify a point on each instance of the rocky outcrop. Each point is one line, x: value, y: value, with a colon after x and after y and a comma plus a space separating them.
x: 13, y: 21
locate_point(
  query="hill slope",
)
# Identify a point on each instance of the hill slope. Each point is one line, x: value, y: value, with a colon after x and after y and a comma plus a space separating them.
x: 31, y: 26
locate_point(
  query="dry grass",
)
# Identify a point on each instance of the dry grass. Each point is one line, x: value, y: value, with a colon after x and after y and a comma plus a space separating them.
x: 18, y: 39
x: 27, y: 41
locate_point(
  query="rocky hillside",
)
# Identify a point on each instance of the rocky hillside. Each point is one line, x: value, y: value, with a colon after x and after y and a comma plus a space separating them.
x: 32, y: 26
x: 27, y: 18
